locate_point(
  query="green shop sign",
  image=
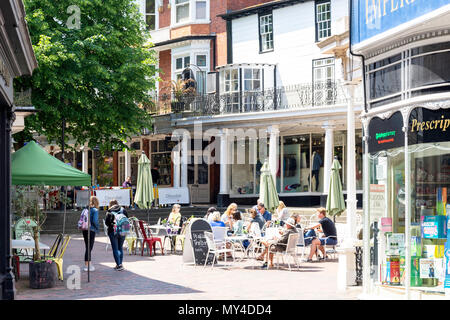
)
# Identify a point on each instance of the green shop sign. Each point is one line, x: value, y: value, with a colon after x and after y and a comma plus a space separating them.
x: 386, y: 134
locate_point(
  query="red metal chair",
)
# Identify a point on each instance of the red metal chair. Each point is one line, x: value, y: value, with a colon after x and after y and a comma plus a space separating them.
x: 16, y: 266
x: 149, y: 239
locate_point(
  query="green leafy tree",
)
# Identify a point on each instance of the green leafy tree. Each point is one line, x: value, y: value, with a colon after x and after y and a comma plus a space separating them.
x: 95, y: 72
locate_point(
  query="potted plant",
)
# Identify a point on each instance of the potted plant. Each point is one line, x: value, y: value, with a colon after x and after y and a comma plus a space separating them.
x: 43, y: 272
x: 183, y: 92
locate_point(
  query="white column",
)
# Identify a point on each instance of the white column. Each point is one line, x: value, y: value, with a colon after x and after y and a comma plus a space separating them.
x: 224, y: 162
x: 328, y: 157
x: 176, y: 166
x: 185, y: 145
x: 127, y: 164
x: 85, y: 159
x: 347, y: 265
x: 273, y: 151
x: 93, y: 168
x: 351, y: 166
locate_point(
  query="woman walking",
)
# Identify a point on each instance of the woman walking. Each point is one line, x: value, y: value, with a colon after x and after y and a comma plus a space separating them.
x: 116, y: 239
x: 93, y: 216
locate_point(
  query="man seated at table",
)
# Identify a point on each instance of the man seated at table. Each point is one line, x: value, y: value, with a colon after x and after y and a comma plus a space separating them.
x: 326, y: 226
x: 264, y: 213
x: 277, y: 244
x: 256, y: 205
x: 255, y: 217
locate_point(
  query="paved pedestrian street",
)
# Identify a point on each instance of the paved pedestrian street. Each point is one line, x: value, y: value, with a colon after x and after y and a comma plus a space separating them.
x: 165, y: 277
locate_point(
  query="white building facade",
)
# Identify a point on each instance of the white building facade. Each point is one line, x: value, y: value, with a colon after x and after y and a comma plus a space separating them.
x: 281, y: 99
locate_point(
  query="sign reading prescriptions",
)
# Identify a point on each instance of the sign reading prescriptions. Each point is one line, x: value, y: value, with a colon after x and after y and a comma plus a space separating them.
x: 373, y: 17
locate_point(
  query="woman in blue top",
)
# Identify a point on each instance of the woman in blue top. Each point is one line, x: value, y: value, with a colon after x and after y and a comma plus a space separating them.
x: 93, y: 216
x: 216, y: 220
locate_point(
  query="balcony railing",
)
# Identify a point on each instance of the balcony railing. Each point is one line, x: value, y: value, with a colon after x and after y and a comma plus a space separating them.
x: 283, y: 98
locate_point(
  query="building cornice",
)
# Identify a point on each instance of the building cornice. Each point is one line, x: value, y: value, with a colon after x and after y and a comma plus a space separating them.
x: 260, y: 8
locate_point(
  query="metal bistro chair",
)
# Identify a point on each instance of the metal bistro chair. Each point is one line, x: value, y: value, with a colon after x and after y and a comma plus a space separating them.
x: 214, y: 250
x: 58, y: 258
x: 291, y: 250
x: 255, y: 246
x: 54, y: 247
x: 139, y: 238
x: 180, y: 238
x: 105, y: 230
x: 301, y: 242
x: 219, y: 236
x: 150, y: 240
x: 131, y: 237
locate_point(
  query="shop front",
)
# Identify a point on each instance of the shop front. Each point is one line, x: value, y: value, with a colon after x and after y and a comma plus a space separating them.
x: 300, y: 173
x: 406, y: 166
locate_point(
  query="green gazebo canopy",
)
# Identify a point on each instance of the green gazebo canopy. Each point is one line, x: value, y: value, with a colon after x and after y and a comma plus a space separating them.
x: 32, y: 165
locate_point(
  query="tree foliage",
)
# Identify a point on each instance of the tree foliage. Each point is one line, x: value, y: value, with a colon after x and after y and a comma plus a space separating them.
x: 96, y: 78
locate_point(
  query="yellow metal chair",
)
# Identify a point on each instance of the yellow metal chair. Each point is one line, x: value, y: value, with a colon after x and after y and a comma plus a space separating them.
x: 131, y: 238
x: 54, y: 247
x: 58, y: 259
x: 180, y: 238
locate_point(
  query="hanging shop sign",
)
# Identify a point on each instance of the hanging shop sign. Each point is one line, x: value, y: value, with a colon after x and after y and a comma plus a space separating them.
x: 386, y: 134
x: 427, y: 126
x: 373, y: 17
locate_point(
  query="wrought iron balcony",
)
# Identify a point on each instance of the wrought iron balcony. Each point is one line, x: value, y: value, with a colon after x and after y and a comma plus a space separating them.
x: 283, y: 98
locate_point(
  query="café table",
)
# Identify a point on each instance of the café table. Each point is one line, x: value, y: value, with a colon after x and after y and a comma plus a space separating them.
x: 160, y: 230
x: 27, y: 244
x: 240, y: 239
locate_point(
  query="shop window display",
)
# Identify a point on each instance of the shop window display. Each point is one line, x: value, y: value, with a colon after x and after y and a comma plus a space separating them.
x: 428, y: 155
x: 247, y: 162
x: 296, y: 163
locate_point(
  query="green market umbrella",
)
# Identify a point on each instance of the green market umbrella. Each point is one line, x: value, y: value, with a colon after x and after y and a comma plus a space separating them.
x: 267, y: 190
x: 335, y: 200
x: 144, y: 188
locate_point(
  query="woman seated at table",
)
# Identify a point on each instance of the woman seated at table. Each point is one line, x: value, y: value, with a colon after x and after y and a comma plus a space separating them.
x: 237, y: 224
x: 208, y: 215
x: 282, y: 213
x: 216, y: 221
x: 228, y: 214
x: 297, y: 218
x: 175, y: 215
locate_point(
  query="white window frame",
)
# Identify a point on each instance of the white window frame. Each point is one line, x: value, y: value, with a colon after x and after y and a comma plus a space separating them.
x: 263, y: 23
x: 143, y: 11
x: 325, y: 32
x: 176, y: 71
x: 192, y: 13
x: 252, y: 79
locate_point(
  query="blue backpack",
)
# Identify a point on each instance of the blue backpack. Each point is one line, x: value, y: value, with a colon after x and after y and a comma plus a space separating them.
x: 122, y: 225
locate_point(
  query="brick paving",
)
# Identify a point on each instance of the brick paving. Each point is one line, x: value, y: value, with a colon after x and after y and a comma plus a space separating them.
x: 165, y: 277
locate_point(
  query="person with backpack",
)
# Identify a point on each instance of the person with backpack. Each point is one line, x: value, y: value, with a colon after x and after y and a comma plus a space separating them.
x: 94, y: 229
x: 118, y: 226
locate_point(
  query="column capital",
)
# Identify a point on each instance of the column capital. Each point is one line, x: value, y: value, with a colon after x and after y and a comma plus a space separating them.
x: 328, y: 126
x: 273, y: 130
x: 223, y: 132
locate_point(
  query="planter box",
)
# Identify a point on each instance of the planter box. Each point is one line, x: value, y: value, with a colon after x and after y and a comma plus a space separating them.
x: 43, y: 275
